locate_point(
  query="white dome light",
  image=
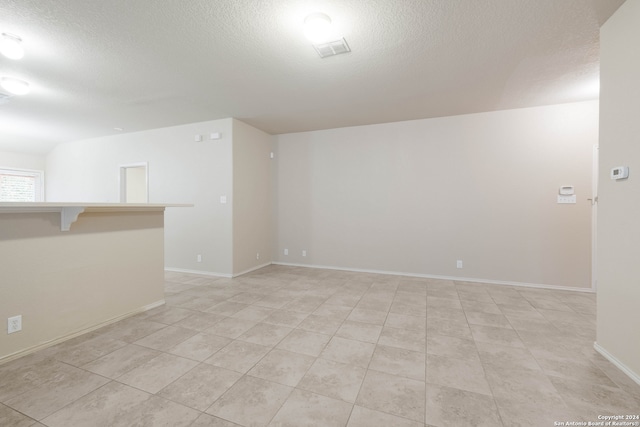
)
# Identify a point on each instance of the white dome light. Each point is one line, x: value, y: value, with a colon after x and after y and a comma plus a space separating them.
x: 317, y: 28
x: 15, y: 86
x: 11, y: 46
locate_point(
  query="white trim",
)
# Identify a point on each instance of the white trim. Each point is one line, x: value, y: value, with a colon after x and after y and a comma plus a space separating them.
x: 432, y: 276
x: 252, y: 269
x: 201, y: 273
x: 618, y: 364
x: 77, y: 333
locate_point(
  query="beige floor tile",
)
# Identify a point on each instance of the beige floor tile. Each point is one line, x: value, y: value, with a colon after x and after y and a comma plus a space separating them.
x: 487, y: 319
x: 375, y: 304
x: 273, y: 301
x: 527, y: 386
x: 200, y: 303
x: 400, y: 307
x: 171, y: 315
x: 157, y: 373
x: 401, y: 321
x: 576, y: 370
x: 255, y: 313
x: 444, y: 313
x: 227, y: 308
x: 340, y: 312
x: 595, y: 399
x: 199, y: 347
x: 333, y: 379
x: 265, y: 334
x: 347, y: 351
x: 367, y: 316
x: 403, y: 338
x: 500, y: 357
x: 448, y: 406
x: 306, y: 304
x: 251, y: 402
x: 496, y: 335
x: 290, y: 319
x: 452, y: 328
x: 320, y: 324
x: 303, y: 408
x: 481, y: 307
x: 465, y: 374
x: 443, y: 303
x: 121, y: 361
x: 201, y: 386
x: 116, y: 405
x: 55, y: 392
x: 398, y: 361
x: 11, y: 418
x: 394, y: 395
x: 246, y: 298
x: 283, y: 367
x: 238, y: 356
x: 200, y: 321
x: 231, y: 327
x: 359, y: 331
x: 166, y: 338
x: 206, y: 420
x: 443, y: 345
x: 519, y: 413
x: 132, y: 329
x: 365, y: 417
x: 86, y: 350
x: 304, y: 342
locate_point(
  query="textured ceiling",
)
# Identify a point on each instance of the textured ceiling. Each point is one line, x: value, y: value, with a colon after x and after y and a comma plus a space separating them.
x: 95, y: 65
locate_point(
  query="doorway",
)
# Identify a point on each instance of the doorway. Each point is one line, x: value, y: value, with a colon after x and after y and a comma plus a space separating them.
x: 134, y: 183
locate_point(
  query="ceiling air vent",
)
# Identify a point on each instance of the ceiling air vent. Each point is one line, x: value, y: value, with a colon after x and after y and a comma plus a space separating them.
x: 335, y: 47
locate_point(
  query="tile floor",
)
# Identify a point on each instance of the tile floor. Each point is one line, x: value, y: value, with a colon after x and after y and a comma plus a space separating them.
x: 298, y: 347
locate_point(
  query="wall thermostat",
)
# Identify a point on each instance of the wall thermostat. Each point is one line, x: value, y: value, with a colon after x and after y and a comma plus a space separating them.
x: 566, y: 190
x: 620, y: 172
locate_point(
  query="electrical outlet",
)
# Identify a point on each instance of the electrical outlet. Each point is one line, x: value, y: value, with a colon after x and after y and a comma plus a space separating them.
x: 199, y: 258
x: 14, y: 324
x: 286, y: 251
x: 459, y: 264
x: 304, y: 253
x: 258, y: 255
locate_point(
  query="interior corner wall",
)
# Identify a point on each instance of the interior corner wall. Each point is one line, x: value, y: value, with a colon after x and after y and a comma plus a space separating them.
x: 251, y: 197
x: 180, y: 170
x: 618, y: 270
x: 10, y: 159
x: 414, y: 197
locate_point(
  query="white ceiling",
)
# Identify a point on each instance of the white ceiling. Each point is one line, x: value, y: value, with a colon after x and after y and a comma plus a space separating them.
x: 99, y: 64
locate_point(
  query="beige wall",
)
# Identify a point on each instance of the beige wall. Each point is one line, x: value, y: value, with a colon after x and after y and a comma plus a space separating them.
x: 619, y: 201
x: 414, y: 197
x: 180, y: 170
x: 106, y: 266
x: 251, y: 197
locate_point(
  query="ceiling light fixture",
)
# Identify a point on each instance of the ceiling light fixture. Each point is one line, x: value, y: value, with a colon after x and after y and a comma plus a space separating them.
x: 15, y: 86
x: 11, y: 46
x: 317, y: 28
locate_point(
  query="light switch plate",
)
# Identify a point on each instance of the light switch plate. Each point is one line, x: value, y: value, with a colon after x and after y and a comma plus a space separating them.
x: 566, y: 199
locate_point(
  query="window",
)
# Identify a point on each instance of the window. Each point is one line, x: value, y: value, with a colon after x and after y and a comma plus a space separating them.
x: 21, y: 185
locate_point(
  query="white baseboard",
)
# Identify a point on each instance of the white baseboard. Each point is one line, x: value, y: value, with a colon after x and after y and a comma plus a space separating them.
x: 431, y: 276
x: 79, y: 332
x: 214, y: 274
x: 628, y: 372
x: 252, y: 269
x: 198, y: 272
